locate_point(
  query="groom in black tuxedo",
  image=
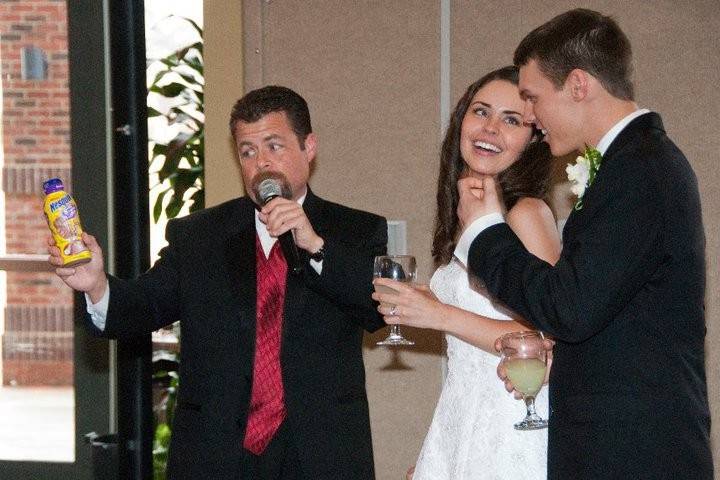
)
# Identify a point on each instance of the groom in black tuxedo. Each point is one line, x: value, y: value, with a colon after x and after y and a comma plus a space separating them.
x: 272, y: 384
x: 625, y: 302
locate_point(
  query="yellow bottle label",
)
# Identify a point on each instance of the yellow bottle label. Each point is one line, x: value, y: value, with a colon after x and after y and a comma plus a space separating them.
x: 64, y: 221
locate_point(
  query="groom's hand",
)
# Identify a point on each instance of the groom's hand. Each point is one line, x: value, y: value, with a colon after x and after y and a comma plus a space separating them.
x: 502, y: 375
x: 502, y: 371
x: 478, y: 197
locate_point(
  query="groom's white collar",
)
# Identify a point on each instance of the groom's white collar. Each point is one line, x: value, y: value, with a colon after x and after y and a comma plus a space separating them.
x: 608, y: 138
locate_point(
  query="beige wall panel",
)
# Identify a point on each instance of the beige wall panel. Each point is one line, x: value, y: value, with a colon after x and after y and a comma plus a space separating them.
x: 223, y: 53
x: 484, y: 35
x: 369, y: 71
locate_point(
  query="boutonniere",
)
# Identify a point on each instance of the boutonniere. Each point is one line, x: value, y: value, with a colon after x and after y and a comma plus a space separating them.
x: 582, y: 174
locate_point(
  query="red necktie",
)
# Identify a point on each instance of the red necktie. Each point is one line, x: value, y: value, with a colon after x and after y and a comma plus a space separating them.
x: 267, y: 405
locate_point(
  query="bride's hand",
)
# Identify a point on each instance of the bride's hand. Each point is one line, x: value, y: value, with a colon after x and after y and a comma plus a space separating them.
x: 413, y: 305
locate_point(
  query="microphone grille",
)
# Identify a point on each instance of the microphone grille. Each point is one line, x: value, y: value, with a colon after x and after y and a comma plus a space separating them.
x: 269, y: 189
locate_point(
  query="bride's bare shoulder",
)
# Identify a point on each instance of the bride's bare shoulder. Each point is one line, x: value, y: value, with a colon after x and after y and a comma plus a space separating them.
x: 530, y: 209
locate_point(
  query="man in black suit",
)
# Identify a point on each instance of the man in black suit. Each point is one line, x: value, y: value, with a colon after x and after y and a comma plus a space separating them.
x: 272, y: 384
x: 625, y: 301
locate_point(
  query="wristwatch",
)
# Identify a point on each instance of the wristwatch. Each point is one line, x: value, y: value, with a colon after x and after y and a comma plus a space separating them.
x: 319, y: 255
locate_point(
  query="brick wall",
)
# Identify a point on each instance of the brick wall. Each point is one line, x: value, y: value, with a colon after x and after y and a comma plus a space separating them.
x: 37, y: 344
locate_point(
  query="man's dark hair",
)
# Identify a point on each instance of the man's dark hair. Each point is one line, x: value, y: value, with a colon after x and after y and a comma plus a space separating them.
x: 256, y: 104
x: 582, y: 39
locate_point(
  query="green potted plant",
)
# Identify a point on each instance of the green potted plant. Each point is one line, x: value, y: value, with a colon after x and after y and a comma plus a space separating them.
x: 163, y: 420
x: 175, y: 94
x: 178, y: 87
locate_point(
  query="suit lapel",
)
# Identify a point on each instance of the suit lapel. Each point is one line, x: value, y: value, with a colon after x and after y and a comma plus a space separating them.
x: 240, y: 255
x: 296, y: 293
x: 314, y: 208
x: 610, y: 170
x: 241, y: 270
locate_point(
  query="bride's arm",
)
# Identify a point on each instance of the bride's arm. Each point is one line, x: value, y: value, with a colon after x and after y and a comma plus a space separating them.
x: 418, y: 307
x: 534, y: 224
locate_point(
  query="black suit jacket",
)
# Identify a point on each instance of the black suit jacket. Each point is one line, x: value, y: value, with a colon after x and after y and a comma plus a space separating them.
x: 625, y: 303
x: 206, y: 279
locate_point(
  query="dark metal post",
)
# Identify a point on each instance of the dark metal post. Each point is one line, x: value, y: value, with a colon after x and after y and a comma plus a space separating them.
x: 131, y: 227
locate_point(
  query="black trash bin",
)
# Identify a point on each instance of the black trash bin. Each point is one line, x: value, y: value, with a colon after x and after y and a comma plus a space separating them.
x: 104, y: 455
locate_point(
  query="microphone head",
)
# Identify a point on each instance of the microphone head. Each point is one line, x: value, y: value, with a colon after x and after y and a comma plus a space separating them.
x: 270, y: 185
x: 269, y: 189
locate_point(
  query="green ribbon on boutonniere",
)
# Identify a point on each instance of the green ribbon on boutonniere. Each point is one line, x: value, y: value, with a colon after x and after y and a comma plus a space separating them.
x: 582, y: 174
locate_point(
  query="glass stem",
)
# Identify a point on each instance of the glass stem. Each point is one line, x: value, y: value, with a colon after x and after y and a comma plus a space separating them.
x: 530, y: 405
x: 395, y: 330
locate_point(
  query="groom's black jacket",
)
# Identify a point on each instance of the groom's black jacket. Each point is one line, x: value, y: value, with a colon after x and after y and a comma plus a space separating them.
x: 625, y: 303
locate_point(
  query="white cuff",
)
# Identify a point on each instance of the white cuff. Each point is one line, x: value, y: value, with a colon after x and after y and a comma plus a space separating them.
x: 98, y: 311
x: 473, y: 230
x: 317, y: 266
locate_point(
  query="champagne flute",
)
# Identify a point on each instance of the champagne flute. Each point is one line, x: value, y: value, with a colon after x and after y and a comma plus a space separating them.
x: 525, y: 362
x: 403, y: 269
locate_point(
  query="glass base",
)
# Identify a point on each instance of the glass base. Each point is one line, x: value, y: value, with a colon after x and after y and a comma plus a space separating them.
x: 531, y: 422
x: 395, y: 340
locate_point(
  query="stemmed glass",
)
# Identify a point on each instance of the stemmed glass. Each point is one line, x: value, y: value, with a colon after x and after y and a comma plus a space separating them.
x: 403, y: 269
x: 525, y: 361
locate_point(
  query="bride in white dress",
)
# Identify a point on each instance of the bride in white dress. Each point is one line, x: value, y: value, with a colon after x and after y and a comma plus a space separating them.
x: 472, y: 436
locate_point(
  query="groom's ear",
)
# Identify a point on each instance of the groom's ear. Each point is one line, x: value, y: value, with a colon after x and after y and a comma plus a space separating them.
x: 578, y: 84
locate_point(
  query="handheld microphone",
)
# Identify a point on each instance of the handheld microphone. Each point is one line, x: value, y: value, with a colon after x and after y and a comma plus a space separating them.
x: 268, y: 189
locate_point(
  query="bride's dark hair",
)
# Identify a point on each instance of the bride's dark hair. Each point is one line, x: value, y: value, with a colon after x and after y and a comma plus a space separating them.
x: 529, y: 176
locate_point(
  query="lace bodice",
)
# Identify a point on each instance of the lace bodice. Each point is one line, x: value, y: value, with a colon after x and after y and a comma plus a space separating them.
x: 471, y: 436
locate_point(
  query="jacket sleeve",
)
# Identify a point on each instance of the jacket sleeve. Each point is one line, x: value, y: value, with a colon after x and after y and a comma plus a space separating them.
x: 346, y: 278
x: 145, y: 304
x: 599, y: 272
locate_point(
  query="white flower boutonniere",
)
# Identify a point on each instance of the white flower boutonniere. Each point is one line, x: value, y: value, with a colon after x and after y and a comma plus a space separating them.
x: 582, y: 174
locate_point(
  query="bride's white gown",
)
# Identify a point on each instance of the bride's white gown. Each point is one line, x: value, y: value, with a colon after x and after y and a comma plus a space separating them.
x: 472, y: 436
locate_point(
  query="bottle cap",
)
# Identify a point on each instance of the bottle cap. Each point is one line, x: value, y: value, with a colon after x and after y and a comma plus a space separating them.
x: 52, y: 185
